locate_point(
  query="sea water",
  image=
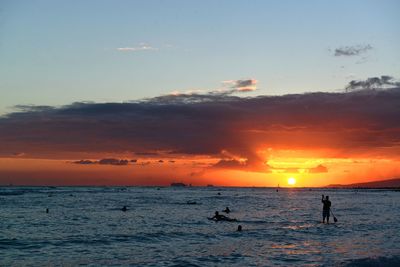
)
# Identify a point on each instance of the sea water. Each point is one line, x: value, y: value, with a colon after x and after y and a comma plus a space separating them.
x: 85, y: 226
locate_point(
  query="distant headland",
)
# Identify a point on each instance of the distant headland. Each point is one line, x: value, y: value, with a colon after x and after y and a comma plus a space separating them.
x: 384, y: 184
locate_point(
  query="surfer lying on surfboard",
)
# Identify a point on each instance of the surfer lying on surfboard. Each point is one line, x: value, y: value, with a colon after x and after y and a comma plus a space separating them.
x: 219, y: 217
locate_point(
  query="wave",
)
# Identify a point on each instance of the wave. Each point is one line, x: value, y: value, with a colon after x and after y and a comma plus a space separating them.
x: 393, y: 261
x: 12, y: 193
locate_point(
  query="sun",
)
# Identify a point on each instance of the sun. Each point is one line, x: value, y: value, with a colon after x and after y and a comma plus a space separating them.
x: 291, y: 181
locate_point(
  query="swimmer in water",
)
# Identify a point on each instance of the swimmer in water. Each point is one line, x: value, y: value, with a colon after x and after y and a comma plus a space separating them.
x: 219, y: 217
x: 227, y: 210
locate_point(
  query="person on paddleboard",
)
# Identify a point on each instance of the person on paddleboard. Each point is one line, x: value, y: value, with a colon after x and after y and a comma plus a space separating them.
x: 326, y: 208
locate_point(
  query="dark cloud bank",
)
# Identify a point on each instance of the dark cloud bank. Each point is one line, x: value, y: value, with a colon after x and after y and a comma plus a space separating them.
x: 106, y: 161
x: 207, y: 124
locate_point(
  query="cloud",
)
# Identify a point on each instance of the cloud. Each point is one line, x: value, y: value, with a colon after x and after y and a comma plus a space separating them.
x: 107, y: 161
x: 242, y: 85
x: 230, y: 129
x: 230, y: 164
x: 230, y: 87
x: 112, y: 161
x: 251, y: 162
x: 84, y: 162
x: 140, y: 47
x: 148, y: 153
x: 382, y: 82
x: 352, y: 50
x: 319, y: 169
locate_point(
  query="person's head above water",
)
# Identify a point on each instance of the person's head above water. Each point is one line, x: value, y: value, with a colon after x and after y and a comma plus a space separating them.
x: 216, y: 213
x: 327, y: 197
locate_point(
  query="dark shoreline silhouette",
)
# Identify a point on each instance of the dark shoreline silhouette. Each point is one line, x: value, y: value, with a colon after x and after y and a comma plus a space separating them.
x: 384, y: 184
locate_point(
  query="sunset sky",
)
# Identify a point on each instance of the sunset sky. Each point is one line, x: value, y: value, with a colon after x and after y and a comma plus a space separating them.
x: 233, y: 93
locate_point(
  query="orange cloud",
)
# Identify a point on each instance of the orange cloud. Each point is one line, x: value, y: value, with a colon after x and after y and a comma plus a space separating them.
x: 211, y: 134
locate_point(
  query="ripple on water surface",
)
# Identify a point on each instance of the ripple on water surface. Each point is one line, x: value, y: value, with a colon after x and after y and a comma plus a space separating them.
x: 169, y: 227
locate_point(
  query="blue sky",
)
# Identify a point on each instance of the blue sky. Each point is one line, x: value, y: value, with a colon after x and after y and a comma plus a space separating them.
x: 58, y: 52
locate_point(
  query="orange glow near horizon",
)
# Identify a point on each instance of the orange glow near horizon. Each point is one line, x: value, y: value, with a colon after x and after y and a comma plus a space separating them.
x: 307, y: 171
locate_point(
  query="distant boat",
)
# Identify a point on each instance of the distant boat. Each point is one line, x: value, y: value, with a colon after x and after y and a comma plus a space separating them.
x: 178, y: 184
x: 210, y: 185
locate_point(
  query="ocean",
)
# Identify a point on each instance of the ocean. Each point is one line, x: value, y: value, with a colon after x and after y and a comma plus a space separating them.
x: 85, y: 226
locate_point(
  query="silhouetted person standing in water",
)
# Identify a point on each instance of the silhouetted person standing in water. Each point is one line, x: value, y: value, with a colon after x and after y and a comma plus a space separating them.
x: 326, y: 210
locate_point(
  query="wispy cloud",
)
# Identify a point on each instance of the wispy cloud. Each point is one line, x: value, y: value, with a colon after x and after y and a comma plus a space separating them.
x: 241, y: 85
x: 140, y: 47
x: 85, y: 162
x: 255, y: 164
x: 229, y: 87
x: 319, y: 169
x: 112, y: 161
x: 106, y: 161
x: 382, y: 82
x: 188, y: 92
x: 354, y: 50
